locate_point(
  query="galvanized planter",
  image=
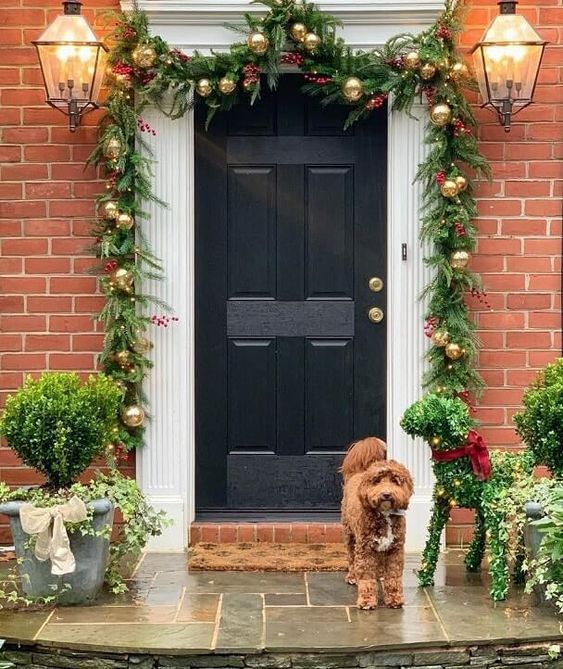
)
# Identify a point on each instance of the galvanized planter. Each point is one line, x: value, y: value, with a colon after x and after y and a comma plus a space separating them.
x: 533, y: 538
x: 90, y: 552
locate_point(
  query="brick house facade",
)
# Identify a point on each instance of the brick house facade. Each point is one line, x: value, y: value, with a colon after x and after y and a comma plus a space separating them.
x: 47, y: 299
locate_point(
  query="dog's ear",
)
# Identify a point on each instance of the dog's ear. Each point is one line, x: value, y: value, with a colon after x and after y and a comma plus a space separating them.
x: 361, y: 454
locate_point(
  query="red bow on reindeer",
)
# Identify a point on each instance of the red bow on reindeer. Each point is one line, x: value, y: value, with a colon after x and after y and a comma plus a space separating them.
x: 477, y: 452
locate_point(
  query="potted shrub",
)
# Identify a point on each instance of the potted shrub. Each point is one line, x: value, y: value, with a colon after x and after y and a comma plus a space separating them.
x: 58, y: 425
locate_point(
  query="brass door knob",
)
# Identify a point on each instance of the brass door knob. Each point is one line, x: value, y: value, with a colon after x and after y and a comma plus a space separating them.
x: 375, y: 314
x: 375, y: 284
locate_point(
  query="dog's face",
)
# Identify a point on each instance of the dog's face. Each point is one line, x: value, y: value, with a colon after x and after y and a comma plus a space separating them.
x: 386, y: 486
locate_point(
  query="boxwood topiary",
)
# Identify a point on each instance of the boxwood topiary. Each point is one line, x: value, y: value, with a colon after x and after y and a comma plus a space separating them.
x: 58, y: 425
x: 540, y: 425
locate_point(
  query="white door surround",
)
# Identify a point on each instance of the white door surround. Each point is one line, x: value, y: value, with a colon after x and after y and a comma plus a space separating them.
x: 165, y: 466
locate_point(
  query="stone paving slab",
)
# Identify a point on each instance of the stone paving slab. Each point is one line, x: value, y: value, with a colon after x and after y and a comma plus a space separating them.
x: 172, y: 611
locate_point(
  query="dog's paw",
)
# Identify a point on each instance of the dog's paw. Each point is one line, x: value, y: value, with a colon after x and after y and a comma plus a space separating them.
x: 395, y: 605
x: 367, y: 604
x: 350, y: 578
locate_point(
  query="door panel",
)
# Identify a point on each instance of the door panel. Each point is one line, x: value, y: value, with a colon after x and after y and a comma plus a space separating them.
x: 290, y: 226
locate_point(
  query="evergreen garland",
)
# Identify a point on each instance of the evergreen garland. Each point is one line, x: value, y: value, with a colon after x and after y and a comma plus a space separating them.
x: 144, y: 70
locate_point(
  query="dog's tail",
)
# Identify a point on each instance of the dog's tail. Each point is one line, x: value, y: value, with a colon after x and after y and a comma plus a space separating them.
x: 361, y: 455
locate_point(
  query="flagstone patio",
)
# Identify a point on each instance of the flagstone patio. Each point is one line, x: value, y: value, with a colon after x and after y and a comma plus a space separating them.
x: 170, y: 610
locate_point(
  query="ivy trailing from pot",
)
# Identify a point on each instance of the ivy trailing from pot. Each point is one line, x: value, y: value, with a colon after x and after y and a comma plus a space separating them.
x: 59, y: 425
x: 295, y: 36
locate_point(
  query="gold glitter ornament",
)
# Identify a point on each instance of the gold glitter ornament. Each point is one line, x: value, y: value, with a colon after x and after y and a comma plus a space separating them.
x: 461, y: 182
x: 459, y: 71
x: 459, y: 259
x: 124, y: 221
x: 352, y: 89
x: 123, y: 279
x: 123, y: 359
x: 412, y: 60
x: 441, y: 114
x: 109, y: 210
x: 257, y: 42
x: 449, y: 188
x: 226, y: 85
x: 204, y: 88
x: 112, y: 149
x: 133, y: 415
x: 298, y: 32
x: 440, y: 338
x: 144, y: 56
x: 141, y: 345
x: 311, y: 41
x: 427, y: 71
x: 436, y: 441
x: 453, y: 351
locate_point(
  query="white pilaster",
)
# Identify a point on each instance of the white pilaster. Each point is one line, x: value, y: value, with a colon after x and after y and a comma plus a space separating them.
x: 405, y: 340
x: 166, y: 463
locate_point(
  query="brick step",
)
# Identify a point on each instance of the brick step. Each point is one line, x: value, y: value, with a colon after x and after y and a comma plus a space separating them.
x: 276, y: 532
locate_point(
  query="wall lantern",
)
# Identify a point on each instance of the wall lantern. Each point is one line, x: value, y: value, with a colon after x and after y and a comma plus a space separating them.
x: 72, y: 63
x: 507, y: 61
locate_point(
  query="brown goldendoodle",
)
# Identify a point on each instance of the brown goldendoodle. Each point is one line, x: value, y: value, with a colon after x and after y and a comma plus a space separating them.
x: 376, y: 495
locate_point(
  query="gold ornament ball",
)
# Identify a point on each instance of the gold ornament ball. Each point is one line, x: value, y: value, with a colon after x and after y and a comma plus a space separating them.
x: 124, y: 221
x: 454, y: 351
x: 123, y: 359
x: 123, y: 279
x: 133, y: 415
x: 258, y: 43
x: 204, y: 88
x: 226, y: 85
x: 458, y: 71
x: 453, y: 503
x: 441, y: 114
x: 427, y: 71
x: 436, y: 441
x: 459, y: 259
x: 449, y: 188
x: 144, y: 56
x: 412, y: 60
x: 461, y: 182
x: 352, y: 89
x: 109, y: 210
x: 311, y: 41
x: 298, y: 32
x: 112, y: 148
x: 142, y: 345
x: 440, y: 338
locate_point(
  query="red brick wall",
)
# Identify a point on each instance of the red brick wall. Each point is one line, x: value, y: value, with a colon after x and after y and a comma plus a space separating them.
x: 46, y: 199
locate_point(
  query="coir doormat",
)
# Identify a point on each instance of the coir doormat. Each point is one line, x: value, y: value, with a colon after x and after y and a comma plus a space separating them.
x: 267, y: 557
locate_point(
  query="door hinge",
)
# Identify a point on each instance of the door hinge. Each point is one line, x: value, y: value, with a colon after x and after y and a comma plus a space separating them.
x: 403, y: 252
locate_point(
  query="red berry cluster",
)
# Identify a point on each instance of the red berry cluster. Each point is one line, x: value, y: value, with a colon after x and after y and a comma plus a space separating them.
x: 398, y: 63
x: 460, y: 128
x: 163, y: 321
x: 144, y: 126
x: 128, y: 32
x: 110, y: 266
x: 120, y: 452
x: 375, y: 102
x: 440, y: 177
x: 112, y: 179
x: 180, y: 55
x: 292, y: 58
x: 429, y: 93
x: 123, y: 69
x: 430, y: 325
x: 460, y: 230
x: 466, y: 397
x: 443, y: 32
x: 319, y: 79
x: 147, y: 77
x: 251, y: 75
x: 481, y: 295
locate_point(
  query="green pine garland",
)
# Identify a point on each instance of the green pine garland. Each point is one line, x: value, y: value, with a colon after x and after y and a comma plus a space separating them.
x: 144, y: 70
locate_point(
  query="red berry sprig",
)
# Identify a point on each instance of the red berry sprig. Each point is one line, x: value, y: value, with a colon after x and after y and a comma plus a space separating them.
x: 110, y: 266
x: 123, y: 69
x: 163, y: 321
x: 466, y: 397
x: 147, y: 77
x: 319, y: 79
x: 430, y: 325
x: 440, y: 177
x: 398, y: 63
x: 180, y: 55
x: 481, y: 295
x: 460, y: 128
x: 128, y: 33
x: 145, y: 126
x: 292, y: 58
x: 251, y: 76
x: 375, y: 102
x: 443, y: 32
x: 460, y: 229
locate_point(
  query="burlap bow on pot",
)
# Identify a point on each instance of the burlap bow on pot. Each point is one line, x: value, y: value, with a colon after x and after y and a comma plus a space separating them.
x: 48, y: 524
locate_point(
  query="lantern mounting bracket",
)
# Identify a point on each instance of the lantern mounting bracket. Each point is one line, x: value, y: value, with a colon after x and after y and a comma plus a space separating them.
x: 72, y: 7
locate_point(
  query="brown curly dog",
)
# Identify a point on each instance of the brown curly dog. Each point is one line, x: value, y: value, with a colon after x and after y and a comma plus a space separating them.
x: 376, y: 494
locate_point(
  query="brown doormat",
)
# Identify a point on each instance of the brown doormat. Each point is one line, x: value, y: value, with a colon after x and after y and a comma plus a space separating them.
x: 267, y: 557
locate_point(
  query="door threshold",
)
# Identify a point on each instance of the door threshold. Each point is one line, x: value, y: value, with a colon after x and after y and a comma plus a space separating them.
x: 266, y: 516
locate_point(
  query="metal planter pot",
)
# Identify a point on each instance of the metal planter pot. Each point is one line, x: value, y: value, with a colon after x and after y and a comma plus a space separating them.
x: 533, y: 538
x: 90, y: 552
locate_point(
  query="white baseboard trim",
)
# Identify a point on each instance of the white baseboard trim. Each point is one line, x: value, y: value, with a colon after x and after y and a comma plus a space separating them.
x: 418, y: 517
x: 174, y: 537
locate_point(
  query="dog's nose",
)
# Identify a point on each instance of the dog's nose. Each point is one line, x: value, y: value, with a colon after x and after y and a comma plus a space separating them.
x: 386, y: 495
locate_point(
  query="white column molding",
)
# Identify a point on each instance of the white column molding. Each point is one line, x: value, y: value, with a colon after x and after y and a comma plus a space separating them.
x: 166, y: 463
x: 406, y: 344
x: 166, y: 469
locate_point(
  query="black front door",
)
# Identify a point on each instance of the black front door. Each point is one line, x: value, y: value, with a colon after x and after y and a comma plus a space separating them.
x: 290, y: 227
